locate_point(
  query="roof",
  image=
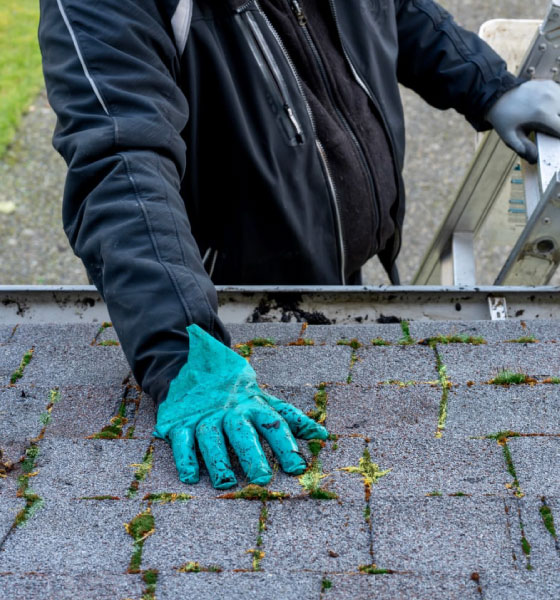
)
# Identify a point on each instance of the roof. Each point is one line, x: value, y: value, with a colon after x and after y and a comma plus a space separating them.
x: 465, y: 489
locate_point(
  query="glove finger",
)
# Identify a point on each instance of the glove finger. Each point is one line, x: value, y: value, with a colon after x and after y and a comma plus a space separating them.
x: 530, y: 152
x: 275, y: 430
x: 301, y: 425
x: 511, y: 139
x: 212, y: 446
x: 245, y: 441
x: 184, y: 454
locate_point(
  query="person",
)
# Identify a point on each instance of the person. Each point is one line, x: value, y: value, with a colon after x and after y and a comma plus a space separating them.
x: 247, y: 142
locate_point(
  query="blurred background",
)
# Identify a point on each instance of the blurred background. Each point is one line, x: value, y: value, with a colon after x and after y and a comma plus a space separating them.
x: 33, y: 246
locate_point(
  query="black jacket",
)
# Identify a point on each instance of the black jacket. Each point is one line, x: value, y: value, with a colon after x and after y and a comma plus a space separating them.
x: 165, y: 109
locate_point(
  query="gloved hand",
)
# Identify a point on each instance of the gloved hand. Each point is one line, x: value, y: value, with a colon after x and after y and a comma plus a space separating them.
x: 533, y: 106
x: 216, y: 392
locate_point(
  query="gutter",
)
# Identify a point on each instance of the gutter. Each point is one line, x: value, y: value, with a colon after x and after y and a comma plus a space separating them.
x: 314, y: 304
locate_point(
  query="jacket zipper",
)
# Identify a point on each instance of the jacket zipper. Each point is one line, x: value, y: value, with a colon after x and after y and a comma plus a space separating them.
x: 372, y: 97
x: 302, y: 20
x: 273, y: 71
x: 318, y: 145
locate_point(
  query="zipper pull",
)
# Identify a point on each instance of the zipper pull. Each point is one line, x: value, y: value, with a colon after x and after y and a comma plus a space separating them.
x: 299, y: 14
x: 294, y: 121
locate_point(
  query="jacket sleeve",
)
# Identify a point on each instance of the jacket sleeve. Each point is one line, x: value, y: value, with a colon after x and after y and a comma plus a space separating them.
x: 111, y: 69
x: 447, y: 65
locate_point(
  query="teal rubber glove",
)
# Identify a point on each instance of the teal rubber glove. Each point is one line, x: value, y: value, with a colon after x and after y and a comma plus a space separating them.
x: 533, y: 106
x: 216, y: 392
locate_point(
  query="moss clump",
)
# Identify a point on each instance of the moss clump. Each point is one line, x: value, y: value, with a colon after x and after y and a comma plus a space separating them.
x: 369, y: 470
x: 380, y: 342
x: 315, y: 446
x: 18, y: 373
x: 353, y: 343
x: 326, y: 584
x: 115, y: 429
x: 99, y: 498
x: 166, y: 498
x: 434, y: 494
x: 150, y: 578
x: 459, y: 495
x: 321, y: 400
x: 445, y: 384
x: 374, y: 570
x: 109, y: 343
x: 196, y: 567
x: 525, y: 545
x: 406, y: 339
x: 246, y: 349
x: 254, y: 492
x: 506, y: 377
x: 455, y: 338
x: 548, y: 520
x: 526, y: 339
x: 142, y: 470
x: 140, y: 529
x: 311, y: 480
x: 258, y: 555
x: 552, y: 380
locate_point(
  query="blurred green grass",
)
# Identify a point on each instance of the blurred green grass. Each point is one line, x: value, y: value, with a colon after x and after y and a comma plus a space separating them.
x: 20, y: 64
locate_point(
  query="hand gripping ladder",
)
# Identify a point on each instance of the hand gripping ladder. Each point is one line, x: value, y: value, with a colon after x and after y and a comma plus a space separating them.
x: 521, y: 194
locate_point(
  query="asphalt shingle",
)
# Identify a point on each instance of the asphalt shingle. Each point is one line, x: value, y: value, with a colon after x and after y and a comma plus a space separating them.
x: 217, y: 534
x: 423, y: 466
x: 315, y: 535
x: 537, y: 464
x: 453, y: 536
x: 485, y: 409
x: 384, y: 363
x: 239, y: 586
x: 60, y: 587
x: 383, y: 410
x: 72, y: 538
x: 71, y: 468
x: 301, y: 365
x: 400, y: 587
x: 482, y: 363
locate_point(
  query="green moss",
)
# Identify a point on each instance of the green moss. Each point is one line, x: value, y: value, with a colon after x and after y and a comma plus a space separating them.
x: 115, y: 429
x: 353, y: 360
x: 254, y: 492
x: 321, y: 400
x: 263, y: 518
x: 459, y: 495
x: 374, y: 570
x: 109, y: 343
x: 311, y: 480
x: 257, y: 555
x: 435, y: 493
x: 315, y: 446
x: 527, y: 339
x: 506, y: 377
x: 18, y: 373
x: 369, y: 470
x: 367, y: 513
x: 262, y: 342
x: 445, y: 384
x: 326, y: 584
x: 398, y: 382
x: 525, y: 545
x: 196, y: 567
x: 548, y: 520
x: 456, y: 338
x: 99, y: 498
x: 511, y: 470
x: 406, y: 338
x: 142, y: 470
x: 380, y: 342
x: 28, y: 463
x: 140, y: 528
x: 553, y: 380
x: 353, y: 343
x: 166, y: 498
